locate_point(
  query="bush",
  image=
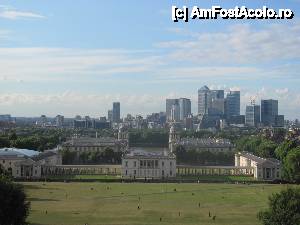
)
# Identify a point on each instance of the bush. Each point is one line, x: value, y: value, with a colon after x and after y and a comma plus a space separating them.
x: 284, y: 208
x: 14, y: 208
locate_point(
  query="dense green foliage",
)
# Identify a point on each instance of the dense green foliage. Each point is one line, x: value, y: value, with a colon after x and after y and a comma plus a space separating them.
x: 258, y: 145
x: 108, y: 156
x: 35, y: 139
x: 284, y: 208
x: 14, y: 208
x: 289, y: 154
x: 194, y: 157
x: 148, y: 138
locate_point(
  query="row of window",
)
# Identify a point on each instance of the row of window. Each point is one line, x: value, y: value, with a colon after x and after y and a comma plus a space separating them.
x: 148, y: 173
x: 87, y: 148
x: 148, y: 163
x: 3, y: 161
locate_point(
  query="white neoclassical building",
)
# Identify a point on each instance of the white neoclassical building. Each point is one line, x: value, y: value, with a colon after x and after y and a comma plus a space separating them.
x: 263, y: 169
x: 24, y: 163
x: 143, y: 164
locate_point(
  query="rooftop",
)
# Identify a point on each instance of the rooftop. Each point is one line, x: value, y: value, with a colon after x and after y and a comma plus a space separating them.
x: 17, y: 152
x: 145, y: 153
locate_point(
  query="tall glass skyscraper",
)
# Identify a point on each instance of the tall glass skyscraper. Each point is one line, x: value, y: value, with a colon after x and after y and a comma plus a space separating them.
x: 184, y: 107
x: 233, y: 104
x: 116, y: 112
x: 204, y: 100
x: 252, y: 115
x: 269, y: 111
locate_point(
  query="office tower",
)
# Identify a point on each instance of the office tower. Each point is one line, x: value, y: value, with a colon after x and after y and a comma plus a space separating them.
x: 269, y: 110
x: 175, y: 113
x: 279, y: 121
x: 109, y: 115
x: 116, y: 112
x: 169, y: 104
x: 184, y: 107
x: 204, y: 100
x: 252, y: 115
x: 232, y: 107
x: 59, y: 121
x: 217, y: 94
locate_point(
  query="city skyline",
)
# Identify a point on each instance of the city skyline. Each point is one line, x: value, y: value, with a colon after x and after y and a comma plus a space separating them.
x: 53, y: 62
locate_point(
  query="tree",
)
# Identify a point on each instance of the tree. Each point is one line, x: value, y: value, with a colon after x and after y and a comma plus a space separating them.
x: 266, y: 149
x: 284, y: 208
x: 283, y: 149
x: 14, y: 208
x: 292, y: 165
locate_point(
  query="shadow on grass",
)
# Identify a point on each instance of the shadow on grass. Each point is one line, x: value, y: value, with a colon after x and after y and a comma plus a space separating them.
x: 42, y: 200
x: 38, y: 187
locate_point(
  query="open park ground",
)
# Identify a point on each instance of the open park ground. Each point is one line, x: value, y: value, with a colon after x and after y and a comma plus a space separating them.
x: 75, y: 203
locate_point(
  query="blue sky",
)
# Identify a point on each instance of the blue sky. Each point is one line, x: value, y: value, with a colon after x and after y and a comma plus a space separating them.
x: 77, y: 57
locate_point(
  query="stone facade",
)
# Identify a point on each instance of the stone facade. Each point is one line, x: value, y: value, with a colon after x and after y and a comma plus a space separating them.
x: 23, y: 163
x: 90, y: 144
x: 149, y: 165
x: 263, y: 169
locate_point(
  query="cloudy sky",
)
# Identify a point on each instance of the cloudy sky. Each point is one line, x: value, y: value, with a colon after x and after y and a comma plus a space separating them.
x: 77, y: 57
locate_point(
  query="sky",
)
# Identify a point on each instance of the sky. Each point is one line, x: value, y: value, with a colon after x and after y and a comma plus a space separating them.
x: 77, y: 57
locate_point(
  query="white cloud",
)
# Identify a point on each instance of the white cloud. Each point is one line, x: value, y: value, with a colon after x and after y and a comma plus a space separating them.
x: 241, y: 44
x: 71, y: 103
x: 34, y: 64
x: 9, y: 12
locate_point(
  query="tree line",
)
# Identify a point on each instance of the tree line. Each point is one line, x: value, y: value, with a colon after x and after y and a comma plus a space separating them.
x: 108, y: 156
x: 287, y: 151
x: 194, y: 157
x: 39, y: 139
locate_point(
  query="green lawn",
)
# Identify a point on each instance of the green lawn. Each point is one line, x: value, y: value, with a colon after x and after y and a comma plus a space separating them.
x: 117, y: 203
x: 204, y: 178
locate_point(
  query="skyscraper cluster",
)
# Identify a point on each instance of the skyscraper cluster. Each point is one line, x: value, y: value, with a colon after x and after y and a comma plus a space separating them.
x: 217, y: 109
x: 178, y: 109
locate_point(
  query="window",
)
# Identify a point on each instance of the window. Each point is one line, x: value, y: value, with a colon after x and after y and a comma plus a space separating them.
x: 134, y: 172
x: 170, y: 172
x: 134, y: 163
x: 156, y: 163
x: 126, y: 172
x: 35, y: 171
x: 162, y: 163
x: 141, y: 163
x: 126, y: 163
x: 162, y: 172
x: 170, y: 163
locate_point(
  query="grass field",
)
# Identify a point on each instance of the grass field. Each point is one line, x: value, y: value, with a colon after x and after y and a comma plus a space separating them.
x: 209, y: 178
x: 117, y: 203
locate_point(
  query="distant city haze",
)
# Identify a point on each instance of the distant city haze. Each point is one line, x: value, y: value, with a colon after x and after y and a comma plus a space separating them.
x: 58, y: 58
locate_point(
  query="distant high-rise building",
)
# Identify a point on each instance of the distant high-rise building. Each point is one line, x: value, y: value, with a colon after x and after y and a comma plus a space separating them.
x: 175, y: 113
x: 109, y: 115
x: 59, y: 121
x: 252, y: 115
x: 116, y: 112
x: 102, y: 119
x: 232, y: 104
x: 279, y: 121
x: 169, y: 104
x: 43, y: 120
x: 269, y: 110
x: 204, y: 100
x: 184, y: 108
x: 217, y: 94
